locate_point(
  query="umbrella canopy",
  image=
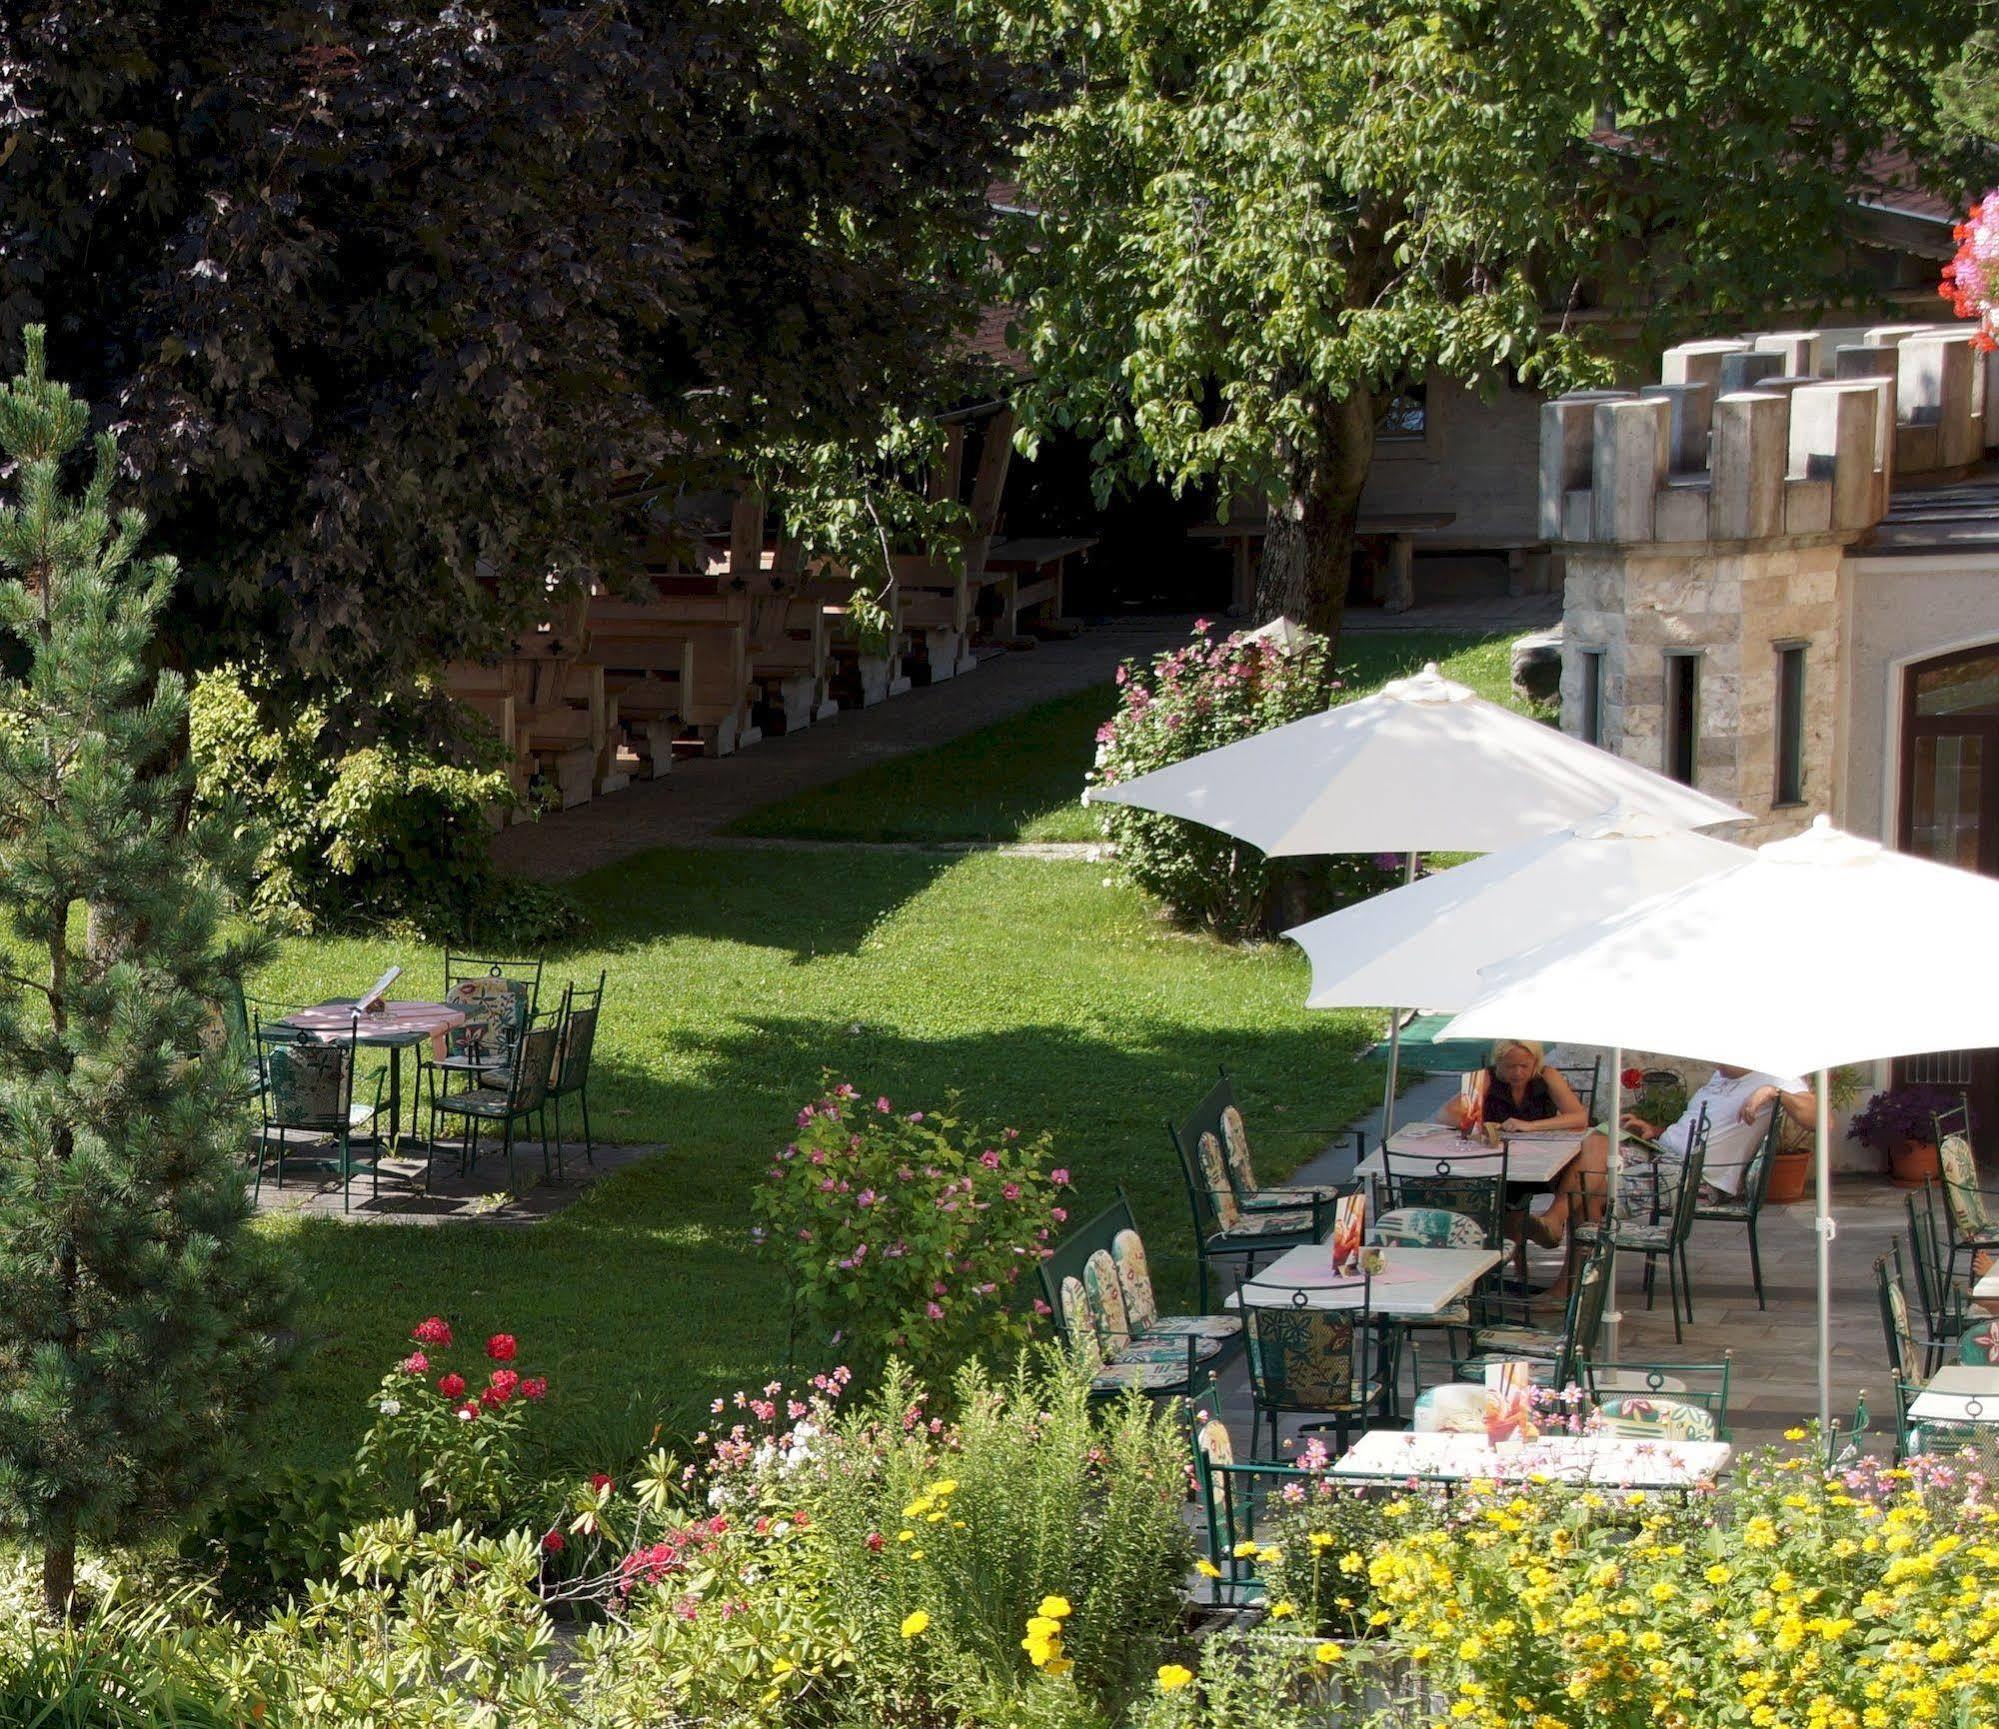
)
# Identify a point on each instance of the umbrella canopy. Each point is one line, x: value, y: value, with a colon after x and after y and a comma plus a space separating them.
x: 1425, y: 943
x: 1815, y: 951
x: 1423, y: 765
x: 1812, y: 952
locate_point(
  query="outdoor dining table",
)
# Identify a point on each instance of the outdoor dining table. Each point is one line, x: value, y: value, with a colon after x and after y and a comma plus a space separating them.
x: 394, y: 1027
x: 1412, y: 1282
x: 1987, y: 1286
x: 1958, y: 1393
x: 1614, y: 1461
x: 1533, y: 1158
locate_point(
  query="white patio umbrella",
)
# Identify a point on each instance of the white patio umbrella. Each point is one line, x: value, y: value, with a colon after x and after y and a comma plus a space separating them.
x: 1423, y: 765
x: 1814, y: 951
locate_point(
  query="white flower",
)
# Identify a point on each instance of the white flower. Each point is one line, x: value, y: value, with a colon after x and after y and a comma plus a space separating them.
x: 465, y: 1416
x: 389, y: 1407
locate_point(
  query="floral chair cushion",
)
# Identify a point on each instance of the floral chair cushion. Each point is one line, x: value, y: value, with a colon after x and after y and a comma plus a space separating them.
x: 1141, y: 1308
x: 1428, y: 1228
x: 1212, y: 1437
x: 1303, y: 1359
x: 1981, y: 1348
x: 1107, y: 1301
x: 1221, y: 1192
x: 1904, y: 1331
x: 495, y: 1010
x: 308, y: 1084
x: 1452, y: 1408
x: 1079, y: 1321
x: 1289, y: 1222
x: 1236, y: 1142
x: 1518, y: 1341
x: 1961, y: 1192
x: 1655, y: 1417
x: 1146, y: 1377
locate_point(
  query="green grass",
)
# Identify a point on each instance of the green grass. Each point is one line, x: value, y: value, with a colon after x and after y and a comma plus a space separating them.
x: 1044, y: 998
x: 1022, y: 780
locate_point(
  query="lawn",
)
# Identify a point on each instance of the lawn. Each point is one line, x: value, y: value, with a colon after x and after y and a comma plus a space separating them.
x: 1042, y: 996
x: 1023, y: 780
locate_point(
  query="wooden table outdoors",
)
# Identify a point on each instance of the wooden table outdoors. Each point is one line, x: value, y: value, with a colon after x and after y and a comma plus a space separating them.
x: 394, y: 1028
x: 1413, y: 1283
x: 1390, y: 1455
x: 1533, y: 1159
x: 1958, y: 1393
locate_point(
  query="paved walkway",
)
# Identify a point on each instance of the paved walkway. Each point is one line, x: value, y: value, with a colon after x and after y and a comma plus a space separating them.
x: 481, y: 1197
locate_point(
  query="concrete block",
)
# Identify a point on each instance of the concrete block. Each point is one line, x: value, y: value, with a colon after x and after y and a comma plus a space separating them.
x: 1740, y: 371
x: 1692, y: 408
x: 1699, y: 363
x: 1881, y: 364
x: 1566, y: 426
x: 1750, y: 431
x: 1892, y: 335
x: 1681, y: 514
x: 1577, y: 514
x: 1834, y: 337
x: 1799, y: 350
x: 1916, y: 449
x: 1628, y: 466
x: 1934, y: 388
x: 1807, y: 506
x: 1784, y: 383
x: 1832, y: 439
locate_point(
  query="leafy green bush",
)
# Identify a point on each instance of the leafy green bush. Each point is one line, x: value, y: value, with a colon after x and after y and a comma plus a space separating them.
x: 1213, y: 692
x: 393, y: 832
x: 908, y: 1232
x: 273, y: 1534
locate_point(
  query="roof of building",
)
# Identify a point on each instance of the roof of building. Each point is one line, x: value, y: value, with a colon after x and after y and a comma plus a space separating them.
x: 1960, y: 517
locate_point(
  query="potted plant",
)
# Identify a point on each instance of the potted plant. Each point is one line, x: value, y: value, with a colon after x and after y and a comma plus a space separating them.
x: 1900, y: 1124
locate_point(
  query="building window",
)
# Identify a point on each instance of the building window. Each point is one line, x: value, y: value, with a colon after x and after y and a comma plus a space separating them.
x: 1790, y: 723
x: 1407, y: 414
x: 1683, y: 702
x: 1592, y: 697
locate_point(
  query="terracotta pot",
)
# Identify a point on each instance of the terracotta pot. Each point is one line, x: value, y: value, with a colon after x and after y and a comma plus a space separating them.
x: 1913, y: 1164
x: 1788, y: 1174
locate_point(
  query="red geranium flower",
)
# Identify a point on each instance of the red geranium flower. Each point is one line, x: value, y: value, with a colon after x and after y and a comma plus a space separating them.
x: 535, y: 1387
x: 875, y: 1541
x: 1632, y: 1079
x: 434, y: 1331
x: 502, y: 1384
x: 416, y: 1363
x: 451, y: 1385
x: 553, y: 1543
x: 599, y: 1481
x: 501, y: 1347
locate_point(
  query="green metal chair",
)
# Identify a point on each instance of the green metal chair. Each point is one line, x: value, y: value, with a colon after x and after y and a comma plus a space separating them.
x: 1746, y: 1207
x: 1661, y: 1401
x: 1966, y: 1205
x: 1583, y: 1079
x: 1561, y: 1355
x: 1945, y: 1311
x: 1224, y: 1230
x: 576, y: 1039
x: 518, y: 1098
x: 1233, y: 1495
x: 1911, y: 1359
x: 1664, y: 1233
x: 1333, y: 1365
x: 306, y: 1100
x: 499, y: 999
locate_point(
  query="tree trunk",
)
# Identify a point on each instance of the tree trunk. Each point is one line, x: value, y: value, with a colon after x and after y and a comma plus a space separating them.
x: 59, y: 1573
x: 1308, y: 551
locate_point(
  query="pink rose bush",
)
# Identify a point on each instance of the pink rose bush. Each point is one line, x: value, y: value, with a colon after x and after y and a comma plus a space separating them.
x: 909, y: 1233
x: 1971, y: 278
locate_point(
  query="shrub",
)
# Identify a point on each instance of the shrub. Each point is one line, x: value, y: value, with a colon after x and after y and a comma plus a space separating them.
x: 908, y: 1232
x: 392, y: 832
x: 1194, y: 699
x: 273, y: 1534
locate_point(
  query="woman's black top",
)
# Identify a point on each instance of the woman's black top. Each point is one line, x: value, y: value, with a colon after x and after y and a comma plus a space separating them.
x: 1536, y: 1104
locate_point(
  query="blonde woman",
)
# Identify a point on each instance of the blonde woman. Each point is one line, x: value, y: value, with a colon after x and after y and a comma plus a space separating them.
x: 1522, y: 1090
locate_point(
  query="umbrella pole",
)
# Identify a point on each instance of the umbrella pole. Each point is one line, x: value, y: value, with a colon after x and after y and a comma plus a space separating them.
x: 1822, y: 1148
x: 1394, y: 1041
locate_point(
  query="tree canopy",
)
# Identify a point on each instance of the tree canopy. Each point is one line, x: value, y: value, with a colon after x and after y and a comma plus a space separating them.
x: 1255, y: 220
x: 387, y: 299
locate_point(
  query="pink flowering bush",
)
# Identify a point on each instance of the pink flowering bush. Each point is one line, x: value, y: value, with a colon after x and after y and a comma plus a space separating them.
x: 448, y: 1430
x: 909, y: 1232
x: 1213, y: 692
x: 1971, y: 278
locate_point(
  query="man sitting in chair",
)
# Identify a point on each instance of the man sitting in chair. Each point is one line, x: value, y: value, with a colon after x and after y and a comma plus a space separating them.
x: 1737, y: 1102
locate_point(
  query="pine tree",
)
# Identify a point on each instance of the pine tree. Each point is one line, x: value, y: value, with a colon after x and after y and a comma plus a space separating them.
x: 137, y: 1314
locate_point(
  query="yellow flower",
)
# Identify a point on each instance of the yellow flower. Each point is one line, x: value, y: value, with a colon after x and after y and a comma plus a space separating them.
x: 916, y: 1509
x: 1717, y: 1574
x: 781, y: 1668
x: 1057, y: 1666
x: 904, y: 1536
x: 1172, y: 1677
x: 1207, y: 1569
x: 1055, y: 1607
x: 1321, y: 1540
x: 914, y: 1622
x: 943, y: 1486
x: 1794, y: 1434
x: 916, y: 1554
x: 1242, y: 1549
x: 1043, y: 1627
x: 1327, y: 1652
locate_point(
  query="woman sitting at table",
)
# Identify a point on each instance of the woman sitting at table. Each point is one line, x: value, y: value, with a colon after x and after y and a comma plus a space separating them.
x: 1522, y: 1092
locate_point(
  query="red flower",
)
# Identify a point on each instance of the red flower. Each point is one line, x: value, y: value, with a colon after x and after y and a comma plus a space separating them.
x: 469, y: 1409
x: 875, y: 1541
x: 599, y: 1481
x: 501, y: 1347
x: 535, y: 1387
x: 416, y: 1363
x: 434, y: 1331
x: 502, y: 1384
x: 451, y: 1385
x: 554, y: 1543
x: 1632, y: 1079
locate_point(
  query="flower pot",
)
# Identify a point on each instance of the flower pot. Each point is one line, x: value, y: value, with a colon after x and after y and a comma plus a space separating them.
x: 1788, y: 1172
x: 1913, y: 1163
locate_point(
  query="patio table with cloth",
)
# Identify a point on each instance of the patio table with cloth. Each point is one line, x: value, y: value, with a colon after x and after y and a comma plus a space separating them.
x: 1412, y: 1282
x: 1533, y: 1159
x: 1390, y: 1455
x: 1958, y: 1393
x: 394, y: 1028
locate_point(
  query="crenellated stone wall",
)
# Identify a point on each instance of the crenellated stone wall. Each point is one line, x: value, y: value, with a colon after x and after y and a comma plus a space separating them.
x: 1710, y: 512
